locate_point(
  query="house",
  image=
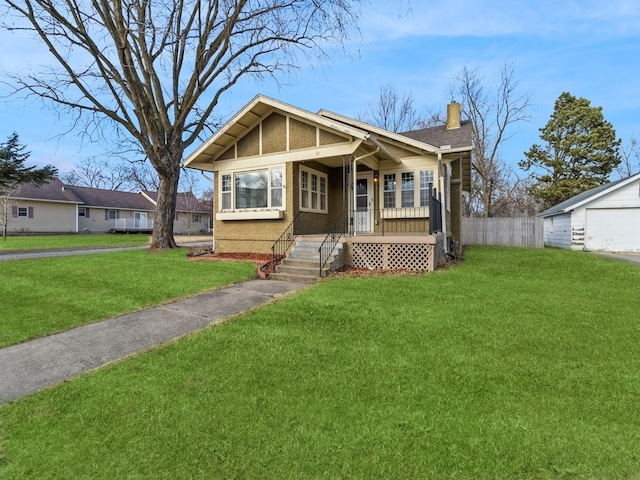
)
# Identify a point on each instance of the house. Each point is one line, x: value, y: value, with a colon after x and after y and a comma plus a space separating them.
x: 58, y: 208
x: 283, y: 174
x: 605, y: 218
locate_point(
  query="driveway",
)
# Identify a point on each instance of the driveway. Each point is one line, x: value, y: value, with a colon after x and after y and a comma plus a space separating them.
x: 624, y: 256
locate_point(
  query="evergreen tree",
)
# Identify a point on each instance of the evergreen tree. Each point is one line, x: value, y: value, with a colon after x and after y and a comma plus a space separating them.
x: 580, y: 153
x: 13, y: 172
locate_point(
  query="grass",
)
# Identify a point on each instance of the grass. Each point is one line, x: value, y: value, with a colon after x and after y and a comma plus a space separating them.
x: 53, y: 242
x: 515, y: 364
x: 43, y: 296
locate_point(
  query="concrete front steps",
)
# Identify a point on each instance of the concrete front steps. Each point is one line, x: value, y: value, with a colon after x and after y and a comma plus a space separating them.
x: 302, y: 263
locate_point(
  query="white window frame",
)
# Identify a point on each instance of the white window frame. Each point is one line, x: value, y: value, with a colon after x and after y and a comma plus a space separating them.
x: 313, y: 194
x: 115, y: 214
x: 82, y: 212
x: 229, y: 190
x: 23, y: 212
x: 398, y: 191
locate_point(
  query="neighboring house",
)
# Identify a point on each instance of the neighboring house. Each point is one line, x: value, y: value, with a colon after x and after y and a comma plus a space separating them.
x: 50, y: 208
x: 59, y: 208
x: 281, y: 171
x: 605, y: 218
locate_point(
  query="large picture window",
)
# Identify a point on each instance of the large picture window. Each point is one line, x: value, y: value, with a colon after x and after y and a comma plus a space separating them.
x: 313, y: 190
x: 252, y: 190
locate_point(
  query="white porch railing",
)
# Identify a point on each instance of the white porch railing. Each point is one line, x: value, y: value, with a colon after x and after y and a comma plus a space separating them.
x: 134, y: 224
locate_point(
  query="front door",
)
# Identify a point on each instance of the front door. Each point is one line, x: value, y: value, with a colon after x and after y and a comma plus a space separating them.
x: 364, y: 203
x: 140, y: 220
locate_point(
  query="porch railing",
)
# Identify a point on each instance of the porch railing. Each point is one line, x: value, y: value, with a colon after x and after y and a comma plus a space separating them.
x: 339, y: 228
x: 288, y: 237
x: 396, y: 220
x: 133, y: 224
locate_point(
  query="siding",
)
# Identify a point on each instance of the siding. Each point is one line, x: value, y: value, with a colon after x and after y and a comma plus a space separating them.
x: 557, y: 231
x: 48, y: 217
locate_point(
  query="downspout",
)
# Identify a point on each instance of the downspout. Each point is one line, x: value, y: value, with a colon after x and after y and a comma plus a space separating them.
x: 443, y: 199
x: 355, y: 178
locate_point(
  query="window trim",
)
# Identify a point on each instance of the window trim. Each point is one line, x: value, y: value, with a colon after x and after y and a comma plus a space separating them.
x: 22, y: 209
x: 228, y: 213
x: 321, y: 199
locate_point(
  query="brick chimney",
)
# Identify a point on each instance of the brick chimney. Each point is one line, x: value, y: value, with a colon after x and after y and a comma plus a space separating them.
x: 453, y: 115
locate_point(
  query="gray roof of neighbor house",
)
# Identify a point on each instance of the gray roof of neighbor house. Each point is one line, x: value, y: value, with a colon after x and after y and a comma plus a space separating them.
x: 95, y: 197
x: 439, y: 136
x: 56, y: 191
x: 584, y: 197
x: 53, y: 191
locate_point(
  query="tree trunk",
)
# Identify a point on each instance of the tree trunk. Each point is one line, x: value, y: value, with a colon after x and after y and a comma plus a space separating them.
x: 165, y: 214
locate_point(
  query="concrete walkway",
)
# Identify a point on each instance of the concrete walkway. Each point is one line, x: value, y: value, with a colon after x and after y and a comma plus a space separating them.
x: 31, y: 366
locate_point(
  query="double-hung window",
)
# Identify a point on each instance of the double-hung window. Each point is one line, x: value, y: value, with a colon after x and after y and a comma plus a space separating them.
x: 313, y: 190
x: 407, y: 189
x: 389, y: 192
x: 252, y: 190
x: 426, y: 183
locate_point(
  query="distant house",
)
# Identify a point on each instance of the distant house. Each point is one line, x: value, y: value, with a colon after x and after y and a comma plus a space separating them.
x: 283, y: 173
x: 59, y: 208
x: 605, y: 218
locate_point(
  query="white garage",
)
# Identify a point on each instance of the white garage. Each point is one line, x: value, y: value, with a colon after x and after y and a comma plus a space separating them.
x: 606, y: 218
x: 612, y: 229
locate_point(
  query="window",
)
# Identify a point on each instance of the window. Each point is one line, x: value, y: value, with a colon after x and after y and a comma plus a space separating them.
x: 252, y: 190
x: 426, y: 184
x: 81, y: 212
x: 276, y: 187
x: 226, y: 192
x: 304, y: 188
x: 407, y: 189
x: 389, y: 192
x: 196, y: 218
x: 313, y: 190
x: 413, y: 191
x: 112, y: 214
x: 23, y: 212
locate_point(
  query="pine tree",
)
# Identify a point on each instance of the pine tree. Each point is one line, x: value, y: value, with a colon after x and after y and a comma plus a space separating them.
x: 580, y: 153
x: 13, y: 172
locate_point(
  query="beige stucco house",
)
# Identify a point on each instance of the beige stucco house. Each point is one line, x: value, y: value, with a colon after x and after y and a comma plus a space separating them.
x: 281, y: 171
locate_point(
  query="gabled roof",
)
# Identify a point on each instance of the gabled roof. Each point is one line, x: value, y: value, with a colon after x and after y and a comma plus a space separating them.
x: 56, y: 191
x: 456, y: 138
x: 96, y: 197
x: 588, y: 196
x: 249, y: 116
x: 53, y: 191
x: 431, y: 139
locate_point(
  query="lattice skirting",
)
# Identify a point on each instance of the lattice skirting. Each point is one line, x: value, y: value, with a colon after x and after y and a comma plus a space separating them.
x: 396, y: 256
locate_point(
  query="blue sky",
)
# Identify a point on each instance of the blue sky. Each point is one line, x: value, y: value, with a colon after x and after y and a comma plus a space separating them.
x: 588, y: 48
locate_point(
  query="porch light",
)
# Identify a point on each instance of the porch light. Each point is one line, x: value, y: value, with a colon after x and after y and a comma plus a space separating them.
x: 376, y: 174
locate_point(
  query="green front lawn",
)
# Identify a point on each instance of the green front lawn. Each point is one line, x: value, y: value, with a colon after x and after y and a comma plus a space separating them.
x: 515, y: 364
x: 46, y: 295
x: 57, y: 242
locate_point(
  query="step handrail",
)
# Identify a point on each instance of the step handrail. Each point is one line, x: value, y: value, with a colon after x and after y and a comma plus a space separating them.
x: 329, y: 243
x: 282, y: 245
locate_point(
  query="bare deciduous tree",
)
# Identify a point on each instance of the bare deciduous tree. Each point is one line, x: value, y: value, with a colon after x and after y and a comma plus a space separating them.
x: 630, y: 156
x: 492, y: 114
x: 393, y: 112
x: 94, y: 172
x: 157, y: 69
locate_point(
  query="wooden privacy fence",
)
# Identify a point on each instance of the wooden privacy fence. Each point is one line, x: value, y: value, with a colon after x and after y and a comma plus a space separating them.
x: 506, y: 232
